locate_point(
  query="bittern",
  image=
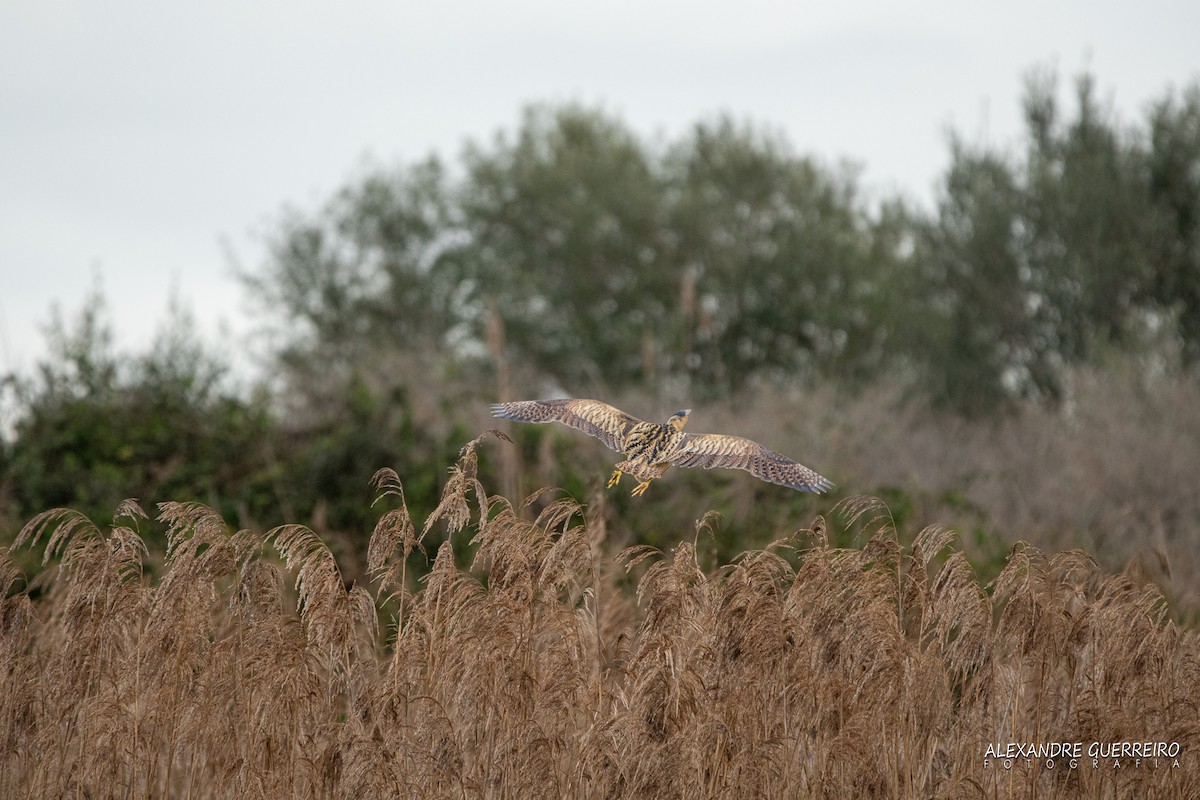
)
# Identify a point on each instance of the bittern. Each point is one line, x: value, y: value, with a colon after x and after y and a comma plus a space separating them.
x: 651, y: 448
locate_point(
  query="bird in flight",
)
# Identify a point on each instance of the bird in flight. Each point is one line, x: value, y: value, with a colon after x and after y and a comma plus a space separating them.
x: 651, y: 448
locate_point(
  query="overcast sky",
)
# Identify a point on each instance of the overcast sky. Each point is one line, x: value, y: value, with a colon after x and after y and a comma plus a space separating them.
x: 135, y: 137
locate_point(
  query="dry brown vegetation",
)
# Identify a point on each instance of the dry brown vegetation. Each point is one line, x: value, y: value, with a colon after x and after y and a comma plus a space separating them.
x: 1112, y: 471
x: 548, y: 668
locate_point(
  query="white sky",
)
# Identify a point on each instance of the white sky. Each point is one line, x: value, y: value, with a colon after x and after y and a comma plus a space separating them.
x: 135, y: 136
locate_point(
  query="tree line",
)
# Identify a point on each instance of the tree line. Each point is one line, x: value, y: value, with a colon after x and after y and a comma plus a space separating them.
x: 725, y: 258
x: 573, y: 255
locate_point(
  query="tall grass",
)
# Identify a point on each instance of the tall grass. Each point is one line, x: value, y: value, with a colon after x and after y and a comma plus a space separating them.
x: 547, y: 667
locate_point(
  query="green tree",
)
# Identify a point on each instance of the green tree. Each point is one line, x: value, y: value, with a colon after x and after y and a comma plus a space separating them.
x: 565, y: 244
x: 977, y: 338
x: 362, y: 275
x: 1083, y: 243
x: 786, y: 273
x: 1174, y: 184
x: 1088, y: 220
x: 603, y: 262
x: 594, y: 261
x: 92, y: 427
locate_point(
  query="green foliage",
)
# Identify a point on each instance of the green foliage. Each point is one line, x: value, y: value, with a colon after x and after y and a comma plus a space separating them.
x: 366, y: 268
x: 783, y: 272
x: 1174, y: 183
x: 975, y: 331
x: 92, y: 429
x: 1085, y: 243
x: 581, y: 253
x: 597, y: 261
x: 1087, y: 218
x: 329, y: 459
x: 563, y: 239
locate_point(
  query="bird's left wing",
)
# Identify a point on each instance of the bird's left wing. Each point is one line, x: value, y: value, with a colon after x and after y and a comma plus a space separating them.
x: 606, y: 423
x: 710, y: 450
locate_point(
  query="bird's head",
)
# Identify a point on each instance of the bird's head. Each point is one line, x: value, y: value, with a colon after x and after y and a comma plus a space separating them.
x: 679, y: 419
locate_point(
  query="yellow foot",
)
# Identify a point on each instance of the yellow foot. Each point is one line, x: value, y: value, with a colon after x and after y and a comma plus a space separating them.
x: 640, y: 488
x: 615, y: 479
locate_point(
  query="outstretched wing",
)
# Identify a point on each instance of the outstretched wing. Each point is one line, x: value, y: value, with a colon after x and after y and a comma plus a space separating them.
x: 594, y: 418
x: 710, y: 450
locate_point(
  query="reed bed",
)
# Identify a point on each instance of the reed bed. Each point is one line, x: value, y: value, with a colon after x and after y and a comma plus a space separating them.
x: 242, y: 665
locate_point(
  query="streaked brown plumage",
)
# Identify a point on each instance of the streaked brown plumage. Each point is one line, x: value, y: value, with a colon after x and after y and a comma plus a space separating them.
x: 652, y: 448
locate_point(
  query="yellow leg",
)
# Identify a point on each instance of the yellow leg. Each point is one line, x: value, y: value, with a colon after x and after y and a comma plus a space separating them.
x: 641, y: 488
x: 615, y: 479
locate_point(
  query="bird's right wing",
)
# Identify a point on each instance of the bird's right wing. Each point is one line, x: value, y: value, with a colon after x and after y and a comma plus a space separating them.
x: 608, y: 424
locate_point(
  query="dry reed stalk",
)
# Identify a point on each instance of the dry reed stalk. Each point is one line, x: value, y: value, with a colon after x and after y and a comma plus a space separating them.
x: 248, y: 668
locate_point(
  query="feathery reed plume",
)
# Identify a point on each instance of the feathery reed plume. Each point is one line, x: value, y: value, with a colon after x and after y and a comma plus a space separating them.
x: 453, y: 506
x: 394, y: 531
x: 244, y: 666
